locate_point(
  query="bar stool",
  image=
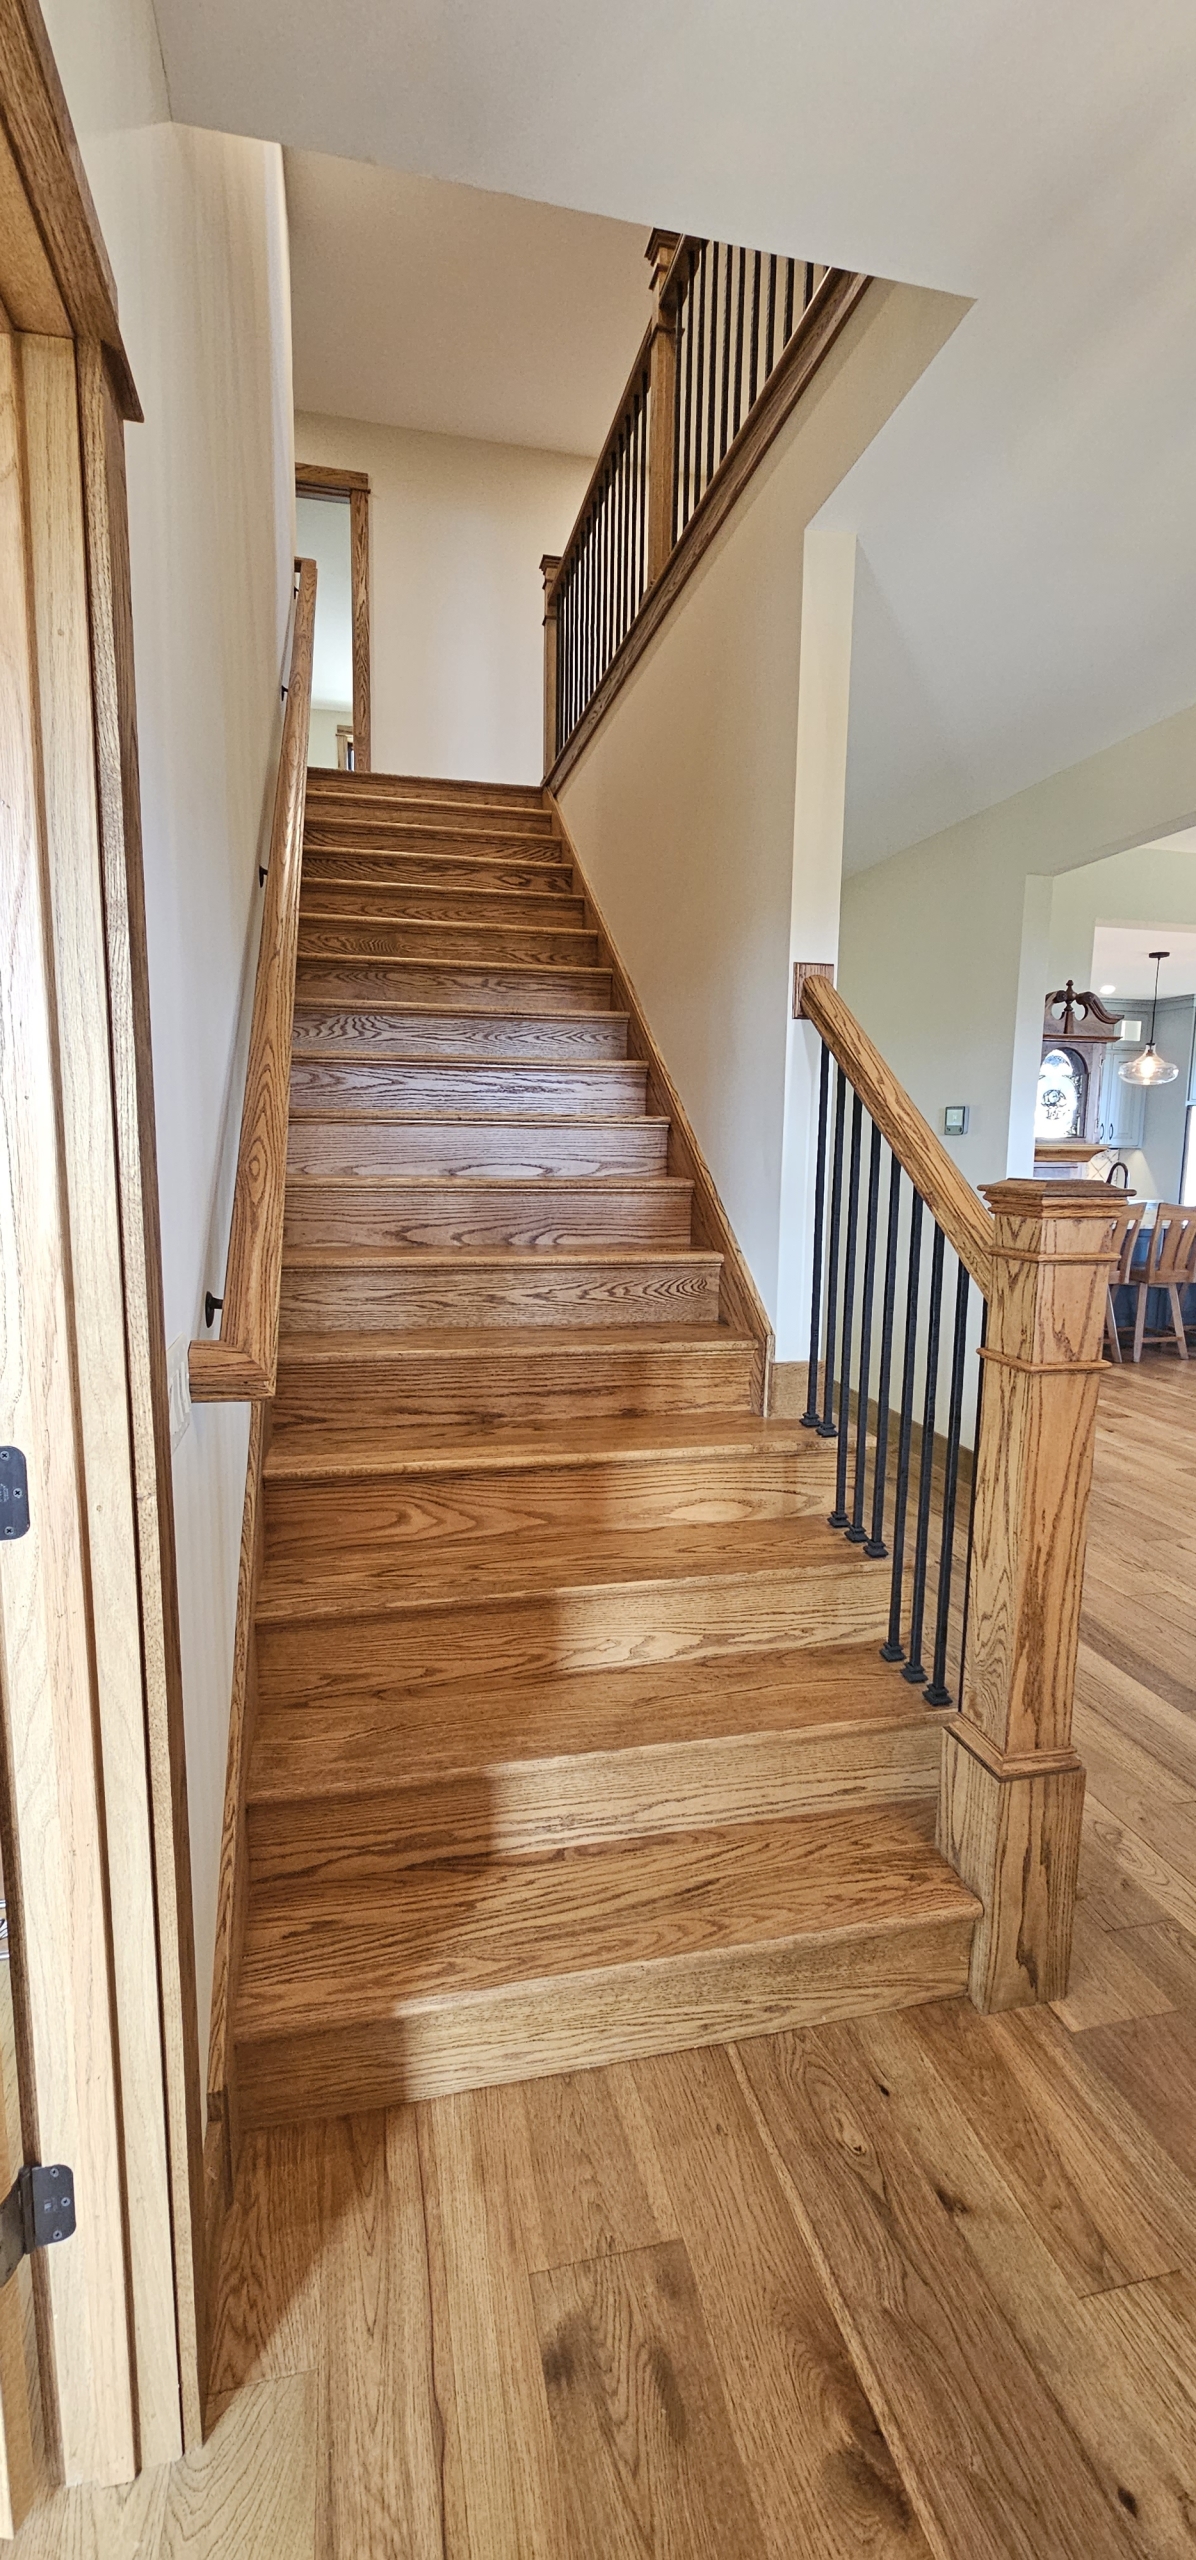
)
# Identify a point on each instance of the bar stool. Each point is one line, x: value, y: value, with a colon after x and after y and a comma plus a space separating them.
x: 1126, y: 1239
x: 1170, y: 1265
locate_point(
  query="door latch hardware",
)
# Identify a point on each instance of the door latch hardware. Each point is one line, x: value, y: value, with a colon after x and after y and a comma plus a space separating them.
x: 38, y: 2209
x: 14, y: 1493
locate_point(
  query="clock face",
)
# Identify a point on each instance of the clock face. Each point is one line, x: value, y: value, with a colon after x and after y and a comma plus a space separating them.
x: 1062, y: 1090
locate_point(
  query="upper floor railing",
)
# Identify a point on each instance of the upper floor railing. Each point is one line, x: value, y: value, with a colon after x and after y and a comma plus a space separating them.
x: 938, y: 1315
x: 242, y: 1365
x: 723, y: 354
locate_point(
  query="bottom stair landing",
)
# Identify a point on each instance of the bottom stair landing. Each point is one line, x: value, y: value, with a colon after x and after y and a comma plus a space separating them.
x: 464, y: 1973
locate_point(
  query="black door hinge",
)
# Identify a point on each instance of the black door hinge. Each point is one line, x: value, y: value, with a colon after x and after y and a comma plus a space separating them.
x: 38, y: 2209
x: 14, y: 1493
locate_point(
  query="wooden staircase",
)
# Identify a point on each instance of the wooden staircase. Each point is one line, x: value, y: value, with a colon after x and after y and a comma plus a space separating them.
x: 572, y: 1740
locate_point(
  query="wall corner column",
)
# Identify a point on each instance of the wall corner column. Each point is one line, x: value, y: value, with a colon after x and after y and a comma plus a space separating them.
x: 1012, y: 1789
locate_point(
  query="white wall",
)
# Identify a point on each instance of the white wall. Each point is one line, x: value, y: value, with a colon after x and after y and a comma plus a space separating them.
x: 457, y: 531
x: 195, y: 227
x: 683, y: 805
x: 947, y: 951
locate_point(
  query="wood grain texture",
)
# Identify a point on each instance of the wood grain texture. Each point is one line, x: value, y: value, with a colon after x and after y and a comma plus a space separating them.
x: 1016, y: 1841
x: 58, y: 563
x: 952, y: 2384
x: 54, y: 1867
x: 41, y: 138
x: 484, y: 1147
x: 114, y: 705
x: 249, y: 1321
x: 644, y: 2443
x: 604, y: 1088
x: 489, y: 1378
x: 233, y: 1879
x: 960, y: 1213
x: 528, y: 1215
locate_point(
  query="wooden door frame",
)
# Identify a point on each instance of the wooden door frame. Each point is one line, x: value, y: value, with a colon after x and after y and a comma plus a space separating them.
x: 114, y: 2072
x: 321, y: 480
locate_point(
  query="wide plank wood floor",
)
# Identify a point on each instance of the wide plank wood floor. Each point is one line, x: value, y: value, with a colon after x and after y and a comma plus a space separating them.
x: 918, y: 2283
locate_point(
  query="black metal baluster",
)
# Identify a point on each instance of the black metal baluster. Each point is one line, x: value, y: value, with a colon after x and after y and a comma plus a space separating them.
x: 737, y: 401
x: 772, y: 314
x: 724, y: 404
x: 789, y: 273
x: 754, y: 360
x: 915, y: 1670
x: 808, y: 292
x: 712, y: 404
x: 700, y: 377
x: 875, y: 1544
x: 625, y: 528
x: 857, y: 1533
x: 838, y: 1518
x: 826, y: 1428
x: 810, y: 1416
x: 938, y: 1694
x: 643, y: 532
x: 893, y: 1650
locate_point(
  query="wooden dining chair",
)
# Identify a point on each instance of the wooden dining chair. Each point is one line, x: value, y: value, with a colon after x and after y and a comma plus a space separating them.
x: 1171, y: 1265
x: 1128, y: 1228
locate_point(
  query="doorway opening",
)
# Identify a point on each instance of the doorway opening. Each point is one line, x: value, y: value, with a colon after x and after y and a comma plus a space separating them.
x: 332, y: 528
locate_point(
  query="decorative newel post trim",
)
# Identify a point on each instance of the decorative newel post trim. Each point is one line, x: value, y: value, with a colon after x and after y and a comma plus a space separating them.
x: 548, y: 568
x: 662, y: 406
x: 1012, y: 1790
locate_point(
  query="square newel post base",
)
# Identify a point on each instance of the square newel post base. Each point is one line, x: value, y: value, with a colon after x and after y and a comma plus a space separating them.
x: 1012, y: 1833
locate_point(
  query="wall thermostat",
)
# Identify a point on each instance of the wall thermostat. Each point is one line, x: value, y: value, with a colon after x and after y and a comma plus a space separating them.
x: 956, y: 1116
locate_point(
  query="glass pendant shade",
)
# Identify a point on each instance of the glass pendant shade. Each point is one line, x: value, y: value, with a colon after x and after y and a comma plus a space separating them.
x: 1148, y: 1067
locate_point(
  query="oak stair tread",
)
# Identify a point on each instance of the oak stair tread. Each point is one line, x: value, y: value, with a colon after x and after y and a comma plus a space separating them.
x: 446, y: 1932
x: 392, y: 1448
x: 471, y: 1575
x: 368, y: 1741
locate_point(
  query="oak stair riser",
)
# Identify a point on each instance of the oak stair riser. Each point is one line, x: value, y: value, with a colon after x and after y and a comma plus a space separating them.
x: 521, y: 946
x: 552, y: 1633
x: 368, y: 982
x: 396, y: 1293
x: 478, y: 1150
x: 504, y: 1379
x: 323, y: 1031
x: 606, y: 1088
x: 529, y: 1216
x: 344, y: 901
x: 324, y: 1515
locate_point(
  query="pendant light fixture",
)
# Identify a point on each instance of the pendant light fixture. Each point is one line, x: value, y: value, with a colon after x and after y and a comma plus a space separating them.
x: 1148, y: 1068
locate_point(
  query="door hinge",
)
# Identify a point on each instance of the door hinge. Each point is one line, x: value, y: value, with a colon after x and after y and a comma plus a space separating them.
x: 14, y: 1493
x: 38, y: 2209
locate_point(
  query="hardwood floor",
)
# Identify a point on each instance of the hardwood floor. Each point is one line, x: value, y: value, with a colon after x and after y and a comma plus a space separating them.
x: 910, y: 2284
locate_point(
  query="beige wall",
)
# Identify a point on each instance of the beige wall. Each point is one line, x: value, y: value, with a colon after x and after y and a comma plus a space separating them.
x: 457, y: 531
x: 195, y: 228
x: 947, y: 950
x: 683, y: 807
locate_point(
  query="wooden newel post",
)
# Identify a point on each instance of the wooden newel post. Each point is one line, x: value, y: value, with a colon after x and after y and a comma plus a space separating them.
x: 1012, y: 1789
x: 548, y: 568
x: 662, y: 406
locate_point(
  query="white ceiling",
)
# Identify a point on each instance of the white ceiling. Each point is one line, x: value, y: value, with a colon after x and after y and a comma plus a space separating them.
x: 1121, y: 962
x: 421, y: 304
x: 1027, y: 519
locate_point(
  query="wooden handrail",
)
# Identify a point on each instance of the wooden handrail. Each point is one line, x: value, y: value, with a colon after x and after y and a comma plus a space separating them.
x: 242, y: 1366
x: 949, y: 1196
